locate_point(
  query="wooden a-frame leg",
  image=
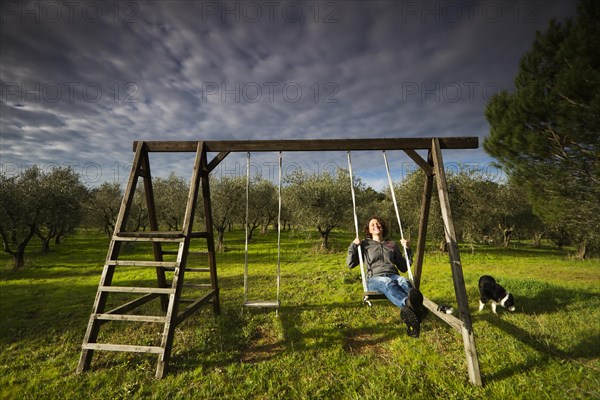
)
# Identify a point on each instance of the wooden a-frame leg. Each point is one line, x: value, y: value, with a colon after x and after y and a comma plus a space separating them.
x: 456, y: 266
x: 153, y: 222
x: 423, y: 221
x: 93, y: 329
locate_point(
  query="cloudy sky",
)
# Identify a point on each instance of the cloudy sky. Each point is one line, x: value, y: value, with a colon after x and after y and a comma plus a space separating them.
x: 81, y: 80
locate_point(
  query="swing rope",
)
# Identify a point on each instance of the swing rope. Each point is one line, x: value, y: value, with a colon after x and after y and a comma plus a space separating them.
x: 387, y: 168
x: 360, y: 257
x: 246, y: 227
x: 279, y: 229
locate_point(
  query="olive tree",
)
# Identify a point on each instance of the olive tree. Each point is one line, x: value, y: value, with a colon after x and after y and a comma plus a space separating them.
x: 262, y: 205
x: 227, y: 197
x: 62, y: 209
x: 21, y: 202
x: 320, y: 201
x: 170, y: 197
x: 103, y: 208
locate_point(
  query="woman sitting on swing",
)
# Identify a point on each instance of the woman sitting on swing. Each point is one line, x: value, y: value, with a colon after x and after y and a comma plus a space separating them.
x: 383, y: 260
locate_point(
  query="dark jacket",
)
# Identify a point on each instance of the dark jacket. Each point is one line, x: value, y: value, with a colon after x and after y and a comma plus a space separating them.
x: 380, y: 258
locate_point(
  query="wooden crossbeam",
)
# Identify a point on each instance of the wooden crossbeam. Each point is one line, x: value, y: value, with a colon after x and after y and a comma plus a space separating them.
x: 463, y: 142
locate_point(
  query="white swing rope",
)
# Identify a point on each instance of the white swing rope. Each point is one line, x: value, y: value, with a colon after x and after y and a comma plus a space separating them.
x: 246, y: 227
x: 387, y: 168
x: 279, y: 230
x: 360, y: 257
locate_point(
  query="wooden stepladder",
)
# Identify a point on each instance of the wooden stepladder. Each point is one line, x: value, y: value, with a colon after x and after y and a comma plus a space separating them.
x: 168, y: 291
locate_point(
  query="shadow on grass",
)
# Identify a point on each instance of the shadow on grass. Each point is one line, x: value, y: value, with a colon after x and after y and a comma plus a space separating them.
x: 586, y: 348
x: 296, y: 336
x: 549, y: 300
x: 356, y: 339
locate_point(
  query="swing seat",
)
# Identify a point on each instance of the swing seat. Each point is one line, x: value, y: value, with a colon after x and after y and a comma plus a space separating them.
x: 368, y: 296
x: 262, y: 303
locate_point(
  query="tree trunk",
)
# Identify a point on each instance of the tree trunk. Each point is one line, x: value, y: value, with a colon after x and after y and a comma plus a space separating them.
x: 443, y: 247
x: 58, y: 238
x: 220, y: 244
x: 19, y: 253
x: 506, y: 235
x: 109, y: 228
x: 46, y: 245
x: 19, y: 258
x: 582, y: 250
x: 537, y: 240
x: 251, y: 228
x: 324, y: 241
x: 324, y: 237
x: 46, y: 239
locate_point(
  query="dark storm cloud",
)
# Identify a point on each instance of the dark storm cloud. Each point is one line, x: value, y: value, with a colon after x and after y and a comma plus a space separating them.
x: 81, y: 80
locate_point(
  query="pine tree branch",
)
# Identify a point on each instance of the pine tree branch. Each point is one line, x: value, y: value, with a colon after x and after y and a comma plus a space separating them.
x: 580, y: 105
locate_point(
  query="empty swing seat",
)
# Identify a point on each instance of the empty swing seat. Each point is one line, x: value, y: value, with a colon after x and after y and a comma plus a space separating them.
x: 262, y: 304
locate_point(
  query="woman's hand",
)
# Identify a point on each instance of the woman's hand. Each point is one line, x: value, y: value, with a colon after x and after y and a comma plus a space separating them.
x: 356, y: 241
x: 404, y: 243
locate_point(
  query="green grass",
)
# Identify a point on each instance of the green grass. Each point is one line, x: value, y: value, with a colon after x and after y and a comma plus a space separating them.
x: 324, y: 343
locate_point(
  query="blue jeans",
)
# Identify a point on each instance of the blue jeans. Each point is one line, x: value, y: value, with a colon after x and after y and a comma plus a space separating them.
x: 394, y: 287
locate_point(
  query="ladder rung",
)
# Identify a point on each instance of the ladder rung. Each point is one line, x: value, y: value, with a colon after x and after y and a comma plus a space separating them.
x: 150, y: 236
x: 261, y: 303
x: 156, y: 236
x: 135, y: 289
x: 127, y: 317
x: 122, y: 347
x: 188, y: 269
x: 166, y: 264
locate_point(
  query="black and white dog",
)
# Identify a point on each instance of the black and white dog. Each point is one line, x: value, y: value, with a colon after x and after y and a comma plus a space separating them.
x: 490, y: 291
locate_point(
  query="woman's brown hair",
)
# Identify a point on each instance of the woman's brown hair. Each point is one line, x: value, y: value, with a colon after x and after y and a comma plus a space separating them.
x: 384, y: 228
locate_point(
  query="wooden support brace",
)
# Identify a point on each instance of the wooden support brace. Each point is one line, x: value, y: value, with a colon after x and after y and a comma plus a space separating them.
x: 425, y: 166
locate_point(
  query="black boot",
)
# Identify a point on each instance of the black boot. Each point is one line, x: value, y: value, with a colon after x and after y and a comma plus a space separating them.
x: 415, y: 302
x: 413, y: 324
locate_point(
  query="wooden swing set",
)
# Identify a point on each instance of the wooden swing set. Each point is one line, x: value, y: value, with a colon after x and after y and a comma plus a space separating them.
x: 173, y: 292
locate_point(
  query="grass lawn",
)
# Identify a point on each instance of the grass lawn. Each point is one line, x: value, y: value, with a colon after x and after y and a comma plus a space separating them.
x: 324, y: 343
